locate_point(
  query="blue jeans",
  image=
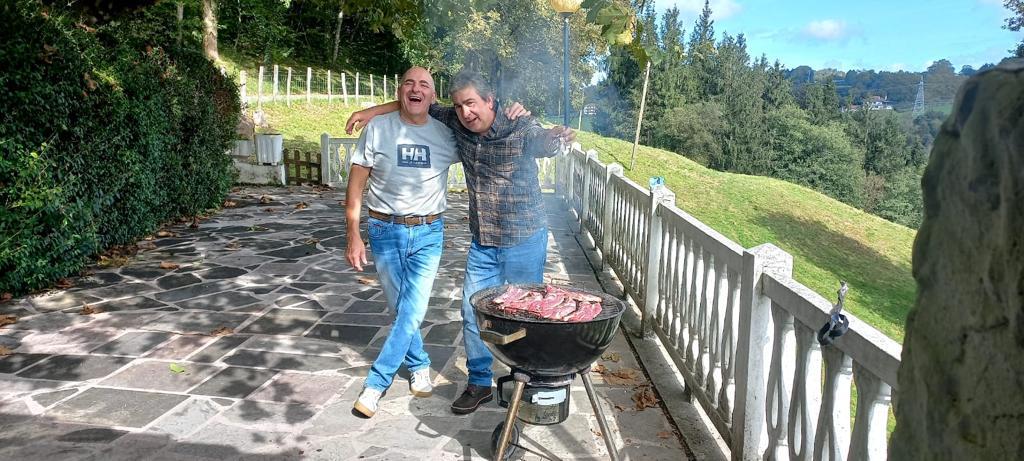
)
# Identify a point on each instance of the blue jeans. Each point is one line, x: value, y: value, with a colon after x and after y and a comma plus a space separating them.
x: 407, y: 258
x: 488, y: 266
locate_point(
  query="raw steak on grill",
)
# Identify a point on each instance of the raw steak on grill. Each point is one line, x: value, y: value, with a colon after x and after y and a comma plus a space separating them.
x: 553, y: 303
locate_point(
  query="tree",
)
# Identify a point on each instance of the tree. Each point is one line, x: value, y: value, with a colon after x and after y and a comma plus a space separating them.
x: 210, y: 29
x: 701, y: 51
x: 1015, y: 22
x: 967, y: 70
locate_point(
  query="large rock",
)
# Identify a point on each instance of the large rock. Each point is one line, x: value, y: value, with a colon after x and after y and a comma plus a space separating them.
x: 962, y: 380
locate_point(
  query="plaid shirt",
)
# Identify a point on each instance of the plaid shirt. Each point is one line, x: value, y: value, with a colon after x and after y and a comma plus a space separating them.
x: 505, y: 205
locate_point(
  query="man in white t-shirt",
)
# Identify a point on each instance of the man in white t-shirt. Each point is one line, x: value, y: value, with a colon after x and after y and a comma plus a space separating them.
x: 405, y: 158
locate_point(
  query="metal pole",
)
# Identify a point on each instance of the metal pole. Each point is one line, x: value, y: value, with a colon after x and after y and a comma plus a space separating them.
x: 601, y: 422
x: 565, y: 69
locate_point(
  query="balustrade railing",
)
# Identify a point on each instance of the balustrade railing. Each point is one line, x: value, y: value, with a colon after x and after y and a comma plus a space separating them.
x: 739, y: 329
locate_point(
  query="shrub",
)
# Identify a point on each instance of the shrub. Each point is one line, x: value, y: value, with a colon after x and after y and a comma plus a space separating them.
x: 102, y: 139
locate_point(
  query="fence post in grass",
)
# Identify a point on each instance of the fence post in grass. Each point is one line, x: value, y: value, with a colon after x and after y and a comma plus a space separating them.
x: 288, y: 88
x: 609, y: 205
x: 241, y: 87
x: 344, y: 87
x: 357, y: 88
x: 660, y: 195
x: 309, y: 85
x: 754, y: 339
x: 259, y: 90
x: 372, y: 100
x: 273, y: 96
x: 329, y: 96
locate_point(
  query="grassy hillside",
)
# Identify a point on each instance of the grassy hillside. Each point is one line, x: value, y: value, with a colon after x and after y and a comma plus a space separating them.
x: 829, y: 240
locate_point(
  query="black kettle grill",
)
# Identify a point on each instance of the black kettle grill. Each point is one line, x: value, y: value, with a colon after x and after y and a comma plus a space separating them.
x: 545, y: 356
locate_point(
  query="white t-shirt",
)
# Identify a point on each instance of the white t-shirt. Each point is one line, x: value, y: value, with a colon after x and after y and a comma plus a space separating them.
x: 409, y: 165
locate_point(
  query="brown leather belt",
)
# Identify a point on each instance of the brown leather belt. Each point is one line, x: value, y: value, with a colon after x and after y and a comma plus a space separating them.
x: 407, y: 220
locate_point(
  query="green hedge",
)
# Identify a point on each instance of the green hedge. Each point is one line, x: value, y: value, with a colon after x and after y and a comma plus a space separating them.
x: 103, y: 137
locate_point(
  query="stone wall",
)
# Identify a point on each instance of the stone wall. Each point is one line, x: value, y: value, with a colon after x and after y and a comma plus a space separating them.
x: 961, y: 385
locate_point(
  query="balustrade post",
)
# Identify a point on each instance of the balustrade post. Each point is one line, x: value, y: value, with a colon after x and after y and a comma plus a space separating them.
x: 585, y: 202
x: 753, y: 350
x: 660, y: 195
x: 326, y: 165
x: 606, y: 218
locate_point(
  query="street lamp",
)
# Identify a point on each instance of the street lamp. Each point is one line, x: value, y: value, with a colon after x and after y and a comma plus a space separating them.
x: 565, y: 8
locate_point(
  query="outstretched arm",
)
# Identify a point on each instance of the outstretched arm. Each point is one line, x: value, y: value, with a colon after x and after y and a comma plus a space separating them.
x: 355, y: 251
x: 360, y: 118
x: 541, y: 142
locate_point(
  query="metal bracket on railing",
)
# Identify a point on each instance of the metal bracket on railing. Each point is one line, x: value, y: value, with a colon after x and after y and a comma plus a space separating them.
x: 837, y: 322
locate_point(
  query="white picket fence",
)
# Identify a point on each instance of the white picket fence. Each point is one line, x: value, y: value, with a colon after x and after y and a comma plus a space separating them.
x: 285, y: 85
x: 740, y: 330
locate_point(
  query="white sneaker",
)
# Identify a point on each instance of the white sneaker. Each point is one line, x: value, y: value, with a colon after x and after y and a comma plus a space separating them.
x: 367, y: 401
x: 419, y: 383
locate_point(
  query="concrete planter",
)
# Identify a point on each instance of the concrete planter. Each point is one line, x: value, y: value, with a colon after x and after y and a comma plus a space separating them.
x: 269, y: 148
x: 243, y: 148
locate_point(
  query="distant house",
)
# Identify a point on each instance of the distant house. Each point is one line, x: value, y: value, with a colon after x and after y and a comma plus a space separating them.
x: 870, y: 103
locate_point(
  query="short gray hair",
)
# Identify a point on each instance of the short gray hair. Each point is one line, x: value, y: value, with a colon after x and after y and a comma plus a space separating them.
x: 470, y: 78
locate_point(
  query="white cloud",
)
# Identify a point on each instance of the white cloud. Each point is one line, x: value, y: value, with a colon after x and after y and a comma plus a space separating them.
x: 896, y: 67
x: 827, y: 30
x: 720, y: 9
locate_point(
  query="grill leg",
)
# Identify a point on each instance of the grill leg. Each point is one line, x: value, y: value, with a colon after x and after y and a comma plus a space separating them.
x: 602, y: 423
x: 510, y: 417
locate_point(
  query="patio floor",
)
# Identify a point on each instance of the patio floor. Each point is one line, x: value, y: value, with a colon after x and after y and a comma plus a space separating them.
x: 249, y: 338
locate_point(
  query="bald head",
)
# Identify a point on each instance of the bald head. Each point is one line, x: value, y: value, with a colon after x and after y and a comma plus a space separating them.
x: 415, y: 95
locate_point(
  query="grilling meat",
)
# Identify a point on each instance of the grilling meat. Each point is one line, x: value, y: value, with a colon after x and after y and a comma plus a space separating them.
x: 553, y: 303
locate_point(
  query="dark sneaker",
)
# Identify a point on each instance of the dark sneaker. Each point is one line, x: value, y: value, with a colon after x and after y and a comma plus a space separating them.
x: 471, y: 398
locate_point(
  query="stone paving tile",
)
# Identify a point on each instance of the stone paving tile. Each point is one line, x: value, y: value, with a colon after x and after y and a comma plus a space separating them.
x: 284, y: 321
x: 218, y: 349
x: 92, y: 435
x: 359, y: 336
x: 225, y: 301
x: 130, y: 304
x: 134, y: 343
x: 268, y: 416
x: 186, y: 418
x: 348, y: 318
x: 115, y: 407
x: 291, y: 300
x: 119, y: 321
x: 292, y: 345
x: 193, y: 291
x: 234, y: 382
x: 180, y: 347
x: 122, y: 290
x: 17, y: 361
x: 301, y: 388
x: 143, y: 273
x: 46, y: 399
x: 444, y: 334
x: 14, y: 385
x: 223, y: 441
x: 158, y: 376
x: 74, y: 367
x: 293, y: 252
x: 279, y: 361
x: 218, y: 273
x: 198, y: 322
x: 366, y: 294
x: 61, y: 300
x: 173, y: 281
x: 48, y: 322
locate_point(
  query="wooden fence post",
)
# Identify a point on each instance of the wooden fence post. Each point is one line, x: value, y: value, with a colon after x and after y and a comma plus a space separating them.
x: 288, y: 88
x: 660, y: 195
x: 309, y: 85
x: 273, y: 96
x: 329, y: 96
x: 259, y: 90
x: 754, y: 350
x: 241, y: 80
x: 344, y: 87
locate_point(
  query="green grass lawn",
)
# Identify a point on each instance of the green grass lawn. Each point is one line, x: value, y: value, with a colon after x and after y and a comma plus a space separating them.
x: 830, y: 241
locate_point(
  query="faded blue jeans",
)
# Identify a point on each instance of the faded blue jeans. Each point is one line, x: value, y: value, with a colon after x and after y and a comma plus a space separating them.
x: 407, y: 258
x: 486, y: 267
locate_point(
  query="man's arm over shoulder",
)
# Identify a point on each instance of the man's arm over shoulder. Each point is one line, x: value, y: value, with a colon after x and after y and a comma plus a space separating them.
x: 445, y: 115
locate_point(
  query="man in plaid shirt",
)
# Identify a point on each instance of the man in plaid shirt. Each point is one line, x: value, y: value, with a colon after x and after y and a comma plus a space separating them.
x: 506, y: 210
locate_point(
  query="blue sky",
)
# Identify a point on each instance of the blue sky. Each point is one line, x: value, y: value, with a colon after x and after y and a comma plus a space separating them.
x: 862, y: 34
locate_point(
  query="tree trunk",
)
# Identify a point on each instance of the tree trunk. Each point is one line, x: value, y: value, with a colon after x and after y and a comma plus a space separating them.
x: 210, y: 29
x: 337, y: 32
x: 181, y: 15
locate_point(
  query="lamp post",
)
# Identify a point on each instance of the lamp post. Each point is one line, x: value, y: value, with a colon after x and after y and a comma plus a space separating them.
x: 565, y: 9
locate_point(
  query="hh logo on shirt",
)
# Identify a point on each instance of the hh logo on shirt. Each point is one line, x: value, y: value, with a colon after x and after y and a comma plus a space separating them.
x: 413, y: 156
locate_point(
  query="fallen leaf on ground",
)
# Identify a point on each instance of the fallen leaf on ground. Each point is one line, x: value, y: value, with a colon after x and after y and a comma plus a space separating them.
x: 117, y: 261
x: 177, y: 369
x: 169, y: 265
x: 269, y: 210
x: 233, y: 246
x: 89, y: 309
x: 367, y: 281
x: 5, y: 351
x: 599, y: 369
x: 623, y: 377
x: 222, y: 331
x: 644, y: 397
x: 7, y: 319
x: 301, y: 206
x: 64, y: 284
x: 597, y: 432
x: 5, y: 297
x: 341, y: 202
x: 312, y: 241
x: 664, y: 435
x: 164, y: 233
x: 146, y: 245
x: 195, y: 223
x: 230, y: 204
x: 612, y: 356
x: 255, y: 228
x: 265, y: 199
x: 620, y: 408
